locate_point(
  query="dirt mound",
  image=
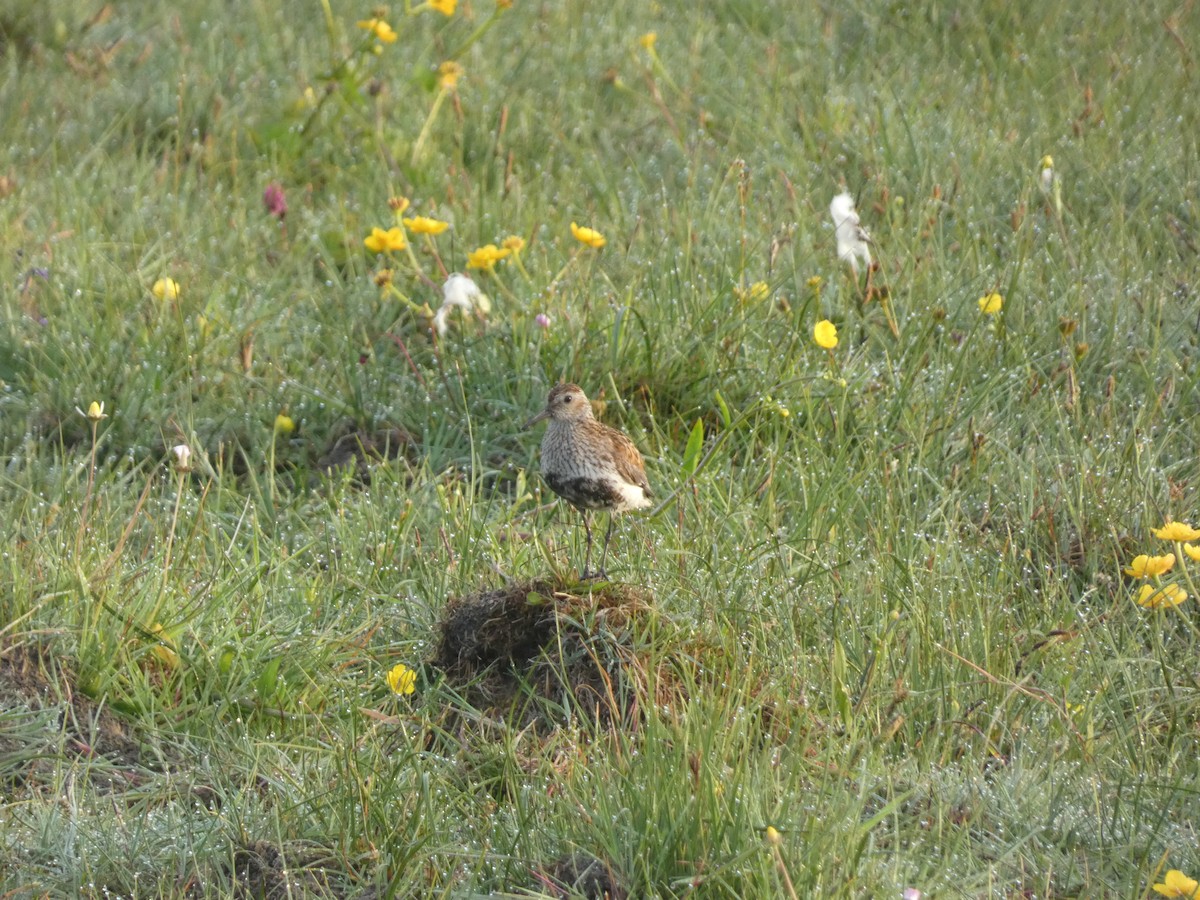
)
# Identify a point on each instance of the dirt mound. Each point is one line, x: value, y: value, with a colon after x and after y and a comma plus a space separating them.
x: 580, y: 874
x: 357, y: 449
x: 543, y: 651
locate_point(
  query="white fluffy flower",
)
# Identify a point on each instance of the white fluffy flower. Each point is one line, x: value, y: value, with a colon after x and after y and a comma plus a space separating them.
x: 852, y: 238
x: 1046, y: 179
x: 460, y: 292
x: 183, y: 457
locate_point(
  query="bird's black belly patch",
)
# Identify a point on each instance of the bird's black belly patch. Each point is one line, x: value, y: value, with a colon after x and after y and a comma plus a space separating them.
x: 584, y: 493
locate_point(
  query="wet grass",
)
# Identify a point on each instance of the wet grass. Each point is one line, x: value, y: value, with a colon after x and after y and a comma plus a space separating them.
x: 881, y: 609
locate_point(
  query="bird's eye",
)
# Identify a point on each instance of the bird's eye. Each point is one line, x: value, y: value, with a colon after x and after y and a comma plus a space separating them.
x: 567, y: 399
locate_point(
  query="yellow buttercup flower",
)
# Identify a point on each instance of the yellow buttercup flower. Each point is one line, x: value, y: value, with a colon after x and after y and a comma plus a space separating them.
x: 1150, y: 566
x: 445, y: 7
x: 449, y: 73
x: 380, y: 240
x: 381, y: 29
x: 1176, y: 531
x: 166, y: 289
x: 514, y: 243
x: 95, y: 411
x: 774, y: 838
x: 1192, y: 551
x: 757, y: 291
x: 825, y: 334
x: 486, y: 257
x: 164, y: 649
x: 1163, y: 597
x: 423, y: 225
x: 589, y: 236
x: 990, y: 304
x: 648, y: 40
x: 815, y: 283
x: 1176, y: 884
x: 284, y: 424
x: 401, y: 679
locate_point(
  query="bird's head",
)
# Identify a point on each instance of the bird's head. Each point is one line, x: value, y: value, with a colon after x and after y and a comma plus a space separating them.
x: 567, y: 402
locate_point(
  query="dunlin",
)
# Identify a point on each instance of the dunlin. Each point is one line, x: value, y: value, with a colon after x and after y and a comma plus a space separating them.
x: 589, y: 465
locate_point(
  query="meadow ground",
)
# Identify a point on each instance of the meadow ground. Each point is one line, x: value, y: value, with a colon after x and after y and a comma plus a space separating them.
x: 878, y: 635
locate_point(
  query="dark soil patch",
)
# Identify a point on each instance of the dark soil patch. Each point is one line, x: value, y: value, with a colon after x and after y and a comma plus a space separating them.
x: 542, y: 650
x: 580, y: 874
x: 52, y: 718
x: 358, y: 449
x: 265, y: 871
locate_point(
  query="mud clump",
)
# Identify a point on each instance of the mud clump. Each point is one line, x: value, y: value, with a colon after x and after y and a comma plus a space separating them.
x: 581, y: 874
x: 358, y: 450
x: 542, y: 651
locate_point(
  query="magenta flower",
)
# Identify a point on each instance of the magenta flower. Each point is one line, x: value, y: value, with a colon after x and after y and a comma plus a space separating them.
x: 275, y: 201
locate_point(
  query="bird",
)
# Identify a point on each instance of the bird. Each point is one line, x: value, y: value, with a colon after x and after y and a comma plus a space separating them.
x: 589, y: 464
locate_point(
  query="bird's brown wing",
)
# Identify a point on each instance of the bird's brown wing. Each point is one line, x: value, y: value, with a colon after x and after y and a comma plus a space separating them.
x: 628, y: 461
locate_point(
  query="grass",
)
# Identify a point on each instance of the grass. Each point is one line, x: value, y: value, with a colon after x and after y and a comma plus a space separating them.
x: 882, y: 607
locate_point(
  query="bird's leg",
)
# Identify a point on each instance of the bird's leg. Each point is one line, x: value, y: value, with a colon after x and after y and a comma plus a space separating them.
x: 587, y: 554
x: 602, y: 571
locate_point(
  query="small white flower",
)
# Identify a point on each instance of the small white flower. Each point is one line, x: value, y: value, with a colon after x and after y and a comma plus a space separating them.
x: 852, y: 238
x: 439, y: 319
x: 460, y: 292
x: 1046, y: 180
x: 183, y: 457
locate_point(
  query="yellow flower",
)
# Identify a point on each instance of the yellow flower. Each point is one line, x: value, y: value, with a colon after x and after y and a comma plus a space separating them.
x: 401, y: 679
x: 990, y: 304
x: 445, y: 7
x: 648, y: 39
x: 774, y: 838
x: 486, y: 257
x: 95, y: 411
x: 398, y: 204
x: 1176, y: 531
x: 1192, y: 551
x: 1159, y: 598
x: 164, y: 648
x: 1150, y: 566
x: 448, y: 74
x: 379, y: 240
x: 757, y: 291
x: 1176, y: 884
x: 423, y: 225
x: 825, y: 334
x: 284, y: 424
x: 513, y: 243
x: 815, y: 283
x: 166, y: 289
x: 381, y: 29
x: 589, y: 236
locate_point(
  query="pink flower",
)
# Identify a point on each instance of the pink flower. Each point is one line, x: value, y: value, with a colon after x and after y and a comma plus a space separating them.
x: 275, y: 201
x: 542, y: 320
